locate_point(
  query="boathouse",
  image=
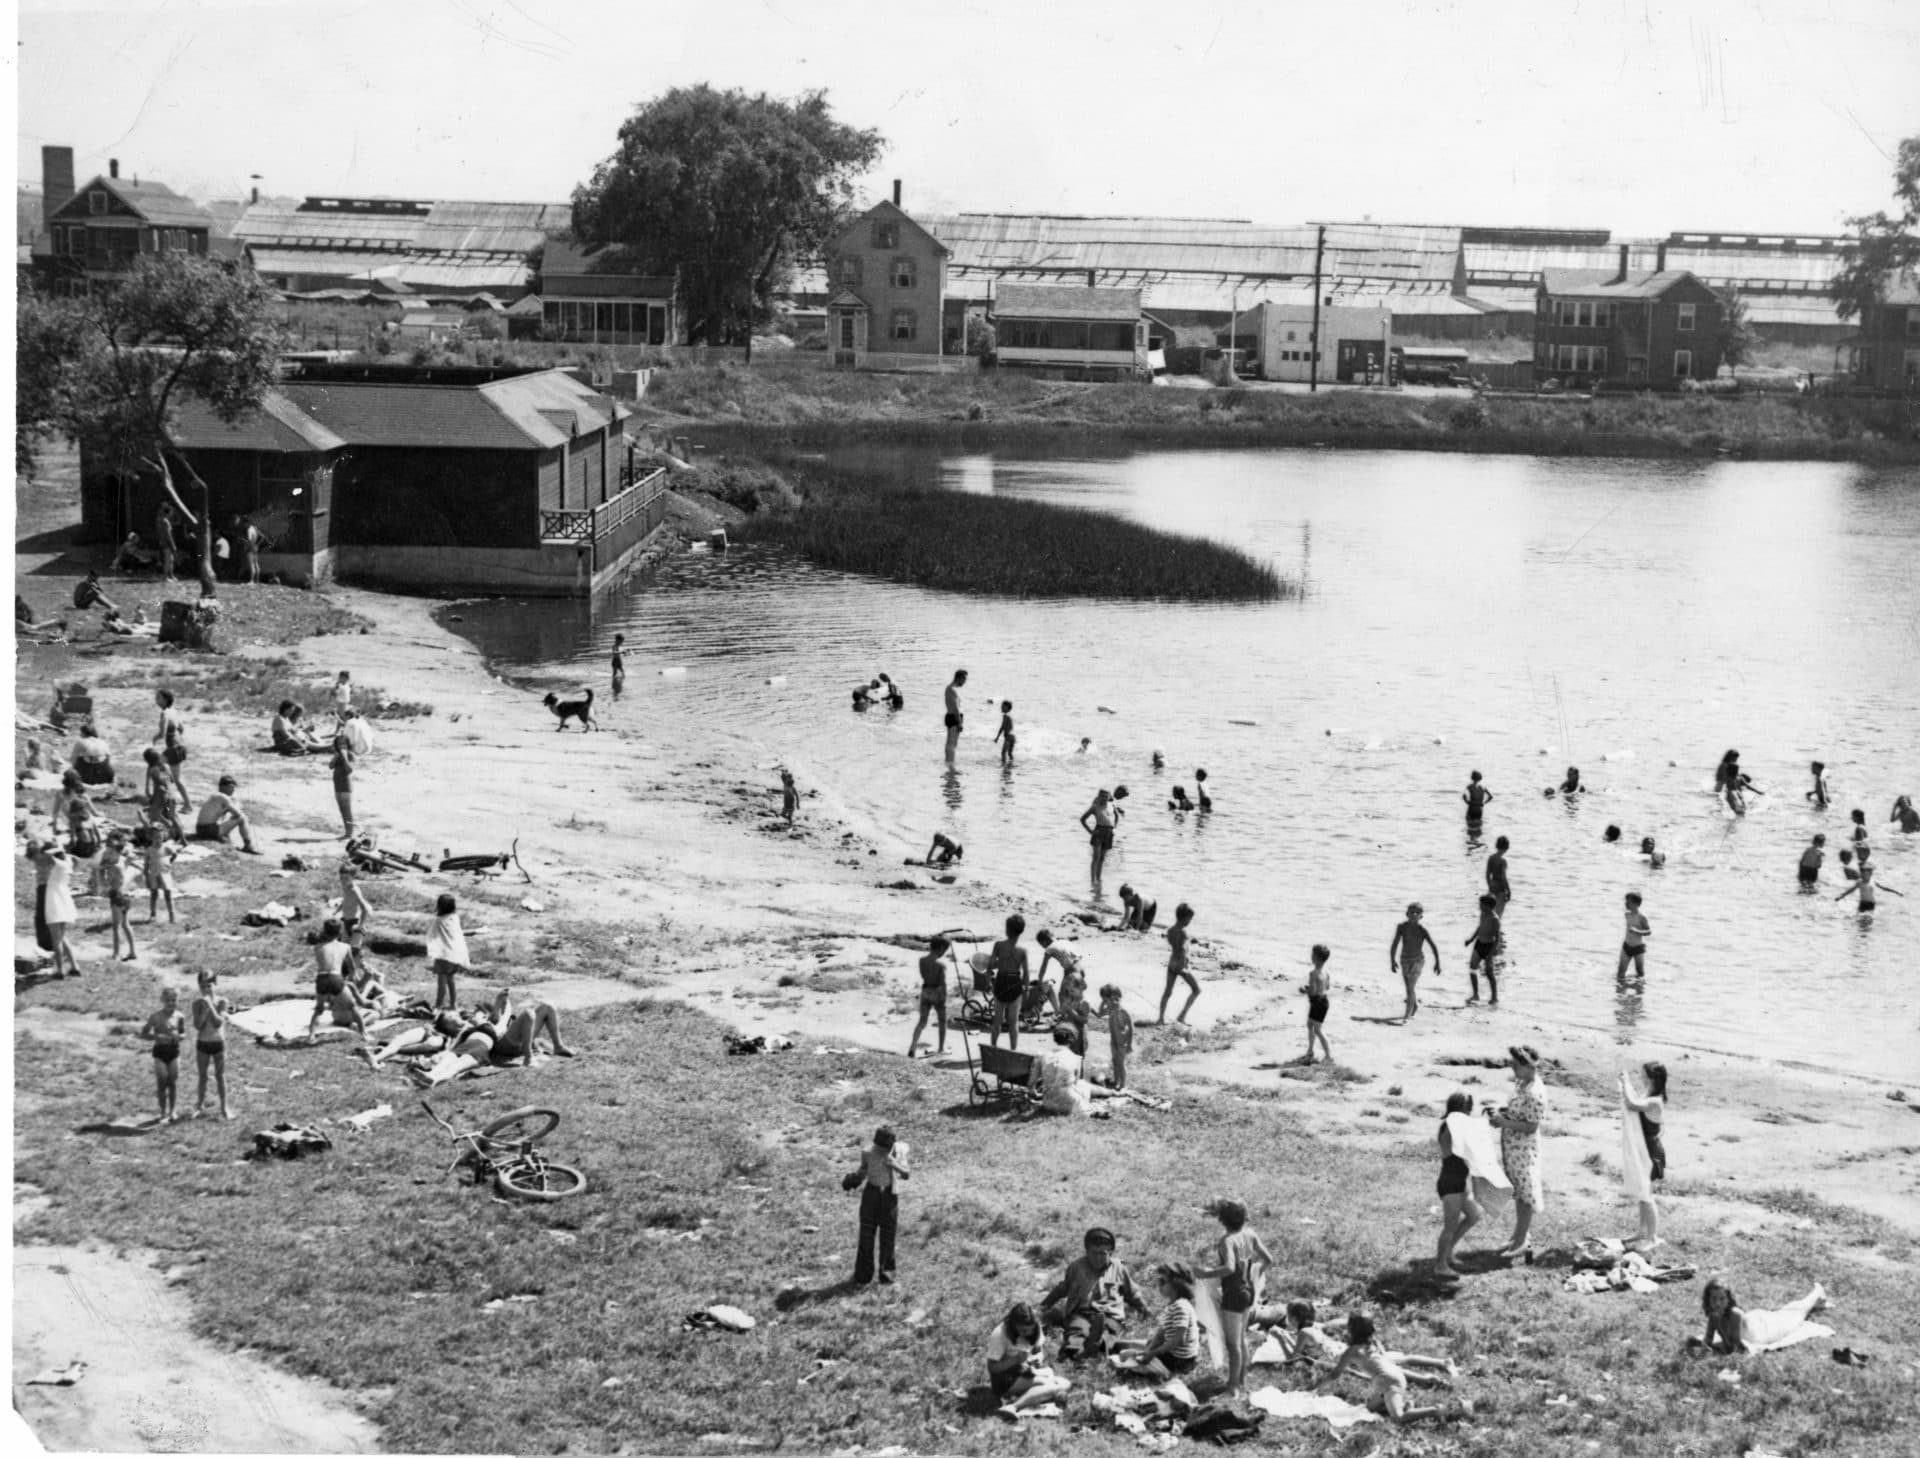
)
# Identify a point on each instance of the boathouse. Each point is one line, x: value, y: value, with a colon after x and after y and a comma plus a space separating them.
x: 419, y: 477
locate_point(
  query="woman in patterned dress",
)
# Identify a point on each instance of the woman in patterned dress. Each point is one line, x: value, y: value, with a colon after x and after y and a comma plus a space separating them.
x: 1519, y: 1126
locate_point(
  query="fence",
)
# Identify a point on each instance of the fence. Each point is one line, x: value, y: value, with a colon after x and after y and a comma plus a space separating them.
x: 613, y: 527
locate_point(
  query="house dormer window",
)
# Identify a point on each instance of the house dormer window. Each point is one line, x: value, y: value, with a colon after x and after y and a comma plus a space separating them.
x: 886, y: 235
x: 96, y: 201
x: 903, y: 273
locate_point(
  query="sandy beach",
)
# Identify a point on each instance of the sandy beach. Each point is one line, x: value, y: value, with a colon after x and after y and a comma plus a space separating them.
x: 707, y: 897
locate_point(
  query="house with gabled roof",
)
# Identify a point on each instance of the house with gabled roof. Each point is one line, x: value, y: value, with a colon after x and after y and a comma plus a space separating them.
x: 1885, y: 353
x: 1075, y: 331
x: 429, y: 478
x: 94, y: 233
x: 1638, y: 331
x: 886, y: 294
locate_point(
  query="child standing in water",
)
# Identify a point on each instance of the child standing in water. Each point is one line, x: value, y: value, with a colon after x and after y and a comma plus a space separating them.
x: 1810, y: 860
x: 619, y: 661
x: 1004, y: 733
x: 1859, y: 819
x: 1200, y: 789
x: 1634, y: 948
x: 1476, y: 795
x: 1497, y: 875
x: 1177, y: 963
x: 1485, y: 939
x: 1863, y: 881
x: 1407, y: 954
x: 1119, y: 1032
x: 1818, y: 794
x: 447, y: 946
x: 1319, y: 986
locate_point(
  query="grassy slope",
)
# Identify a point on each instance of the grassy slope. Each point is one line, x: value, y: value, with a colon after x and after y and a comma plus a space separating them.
x: 798, y: 398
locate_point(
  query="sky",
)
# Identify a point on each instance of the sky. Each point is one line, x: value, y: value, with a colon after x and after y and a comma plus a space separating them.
x: 1634, y: 115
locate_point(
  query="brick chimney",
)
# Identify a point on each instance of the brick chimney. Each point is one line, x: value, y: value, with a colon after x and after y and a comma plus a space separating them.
x: 1660, y: 257
x: 56, y: 179
x: 896, y: 192
x: 253, y: 194
x: 113, y: 166
x: 1621, y: 277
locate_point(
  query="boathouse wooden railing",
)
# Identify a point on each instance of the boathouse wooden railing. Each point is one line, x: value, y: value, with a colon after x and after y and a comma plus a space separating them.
x: 616, y: 524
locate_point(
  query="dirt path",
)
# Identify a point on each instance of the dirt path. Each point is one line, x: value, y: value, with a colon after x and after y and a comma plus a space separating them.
x: 149, y: 1385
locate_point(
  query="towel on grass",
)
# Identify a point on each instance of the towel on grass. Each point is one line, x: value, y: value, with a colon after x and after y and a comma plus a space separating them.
x: 1473, y: 1140
x: 1636, y: 1163
x: 1338, y: 1412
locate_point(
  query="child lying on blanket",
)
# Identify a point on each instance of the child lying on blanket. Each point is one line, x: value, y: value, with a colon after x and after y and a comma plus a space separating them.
x: 1302, y: 1340
x: 1386, y: 1378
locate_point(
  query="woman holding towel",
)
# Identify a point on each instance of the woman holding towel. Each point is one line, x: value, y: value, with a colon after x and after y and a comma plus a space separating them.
x: 1642, y: 1118
x: 1519, y: 1125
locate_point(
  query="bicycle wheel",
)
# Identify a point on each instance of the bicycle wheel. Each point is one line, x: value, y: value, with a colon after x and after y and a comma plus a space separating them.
x: 522, y: 1126
x: 538, y: 1179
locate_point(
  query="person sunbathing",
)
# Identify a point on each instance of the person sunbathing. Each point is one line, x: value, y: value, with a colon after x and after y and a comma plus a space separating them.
x: 418, y: 1041
x: 1733, y: 1329
x: 520, y: 1026
x: 467, y: 1050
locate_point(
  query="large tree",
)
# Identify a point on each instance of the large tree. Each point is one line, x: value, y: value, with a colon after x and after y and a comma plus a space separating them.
x: 111, y: 370
x: 1885, y: 246
x: 725, y: 190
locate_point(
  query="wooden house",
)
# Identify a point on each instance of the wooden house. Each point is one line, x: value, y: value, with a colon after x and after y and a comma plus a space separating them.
x: 1640, y: 331
x: 887, y: 283
x: 94, y: 233
x: 595, y: 296
x: 1885, y: 353
x: 1073, y: 331
x: 427, y: 478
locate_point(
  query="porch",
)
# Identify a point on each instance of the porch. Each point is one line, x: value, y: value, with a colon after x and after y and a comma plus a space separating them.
x: 607, y: 535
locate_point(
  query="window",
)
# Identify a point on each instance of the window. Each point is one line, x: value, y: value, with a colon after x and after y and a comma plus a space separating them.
x: 904, y: 324
x: 1114, y: 337
x: 77, y: 242
x: 1913, y: 366
x: 1290, y: 336
x: 1603, y: 316
x: 96, y: 201
x: 850, y: 273
x: 886, y: 235
x: 1582, y: 359
x: 59, y: 240
x: 903, y: 273
x: 1636, y: 366
x: 1683, y: 361
x: 1913, y: 323
x: 1685, y: 322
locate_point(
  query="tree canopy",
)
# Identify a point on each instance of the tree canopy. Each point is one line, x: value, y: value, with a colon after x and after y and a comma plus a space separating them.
x: 1885, y: 246
x: 726, y: 190
x: 112, y: 369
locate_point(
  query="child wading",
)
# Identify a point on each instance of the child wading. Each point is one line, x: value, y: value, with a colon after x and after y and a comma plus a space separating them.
x: 1477, y: 797
x: 1485, y: 939
x: 881, y: 1164
x: 1004, y: 733
x: 1634, y: 948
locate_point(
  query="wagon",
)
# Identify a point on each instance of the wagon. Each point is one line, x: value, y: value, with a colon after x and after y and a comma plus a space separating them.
x: 999, y: 1073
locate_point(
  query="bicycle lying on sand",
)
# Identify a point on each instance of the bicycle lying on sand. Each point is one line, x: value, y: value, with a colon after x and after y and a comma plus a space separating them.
x: 503, y: 1152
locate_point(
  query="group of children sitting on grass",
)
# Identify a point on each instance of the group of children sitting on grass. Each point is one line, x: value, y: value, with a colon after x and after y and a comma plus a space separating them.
x: 1092, y: 1300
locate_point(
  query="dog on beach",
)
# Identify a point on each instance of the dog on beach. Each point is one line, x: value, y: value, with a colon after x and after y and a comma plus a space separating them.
x: 565, y: 709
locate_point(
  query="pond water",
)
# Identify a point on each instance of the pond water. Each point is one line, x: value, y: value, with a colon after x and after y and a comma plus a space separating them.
x: 1505, y: 614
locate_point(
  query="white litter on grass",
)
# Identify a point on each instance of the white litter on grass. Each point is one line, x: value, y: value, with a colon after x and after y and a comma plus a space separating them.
x: 531, y: 905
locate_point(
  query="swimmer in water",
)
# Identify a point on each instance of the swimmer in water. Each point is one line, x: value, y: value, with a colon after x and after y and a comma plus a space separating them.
x: 1654, y: 858
x: 1810, y: 860
x: 1179, y: 800
x: 1611, y: 834
x: 1859, y: 818
x: 1085, y: 745
x: 1159, y: 759
x: 1476, y: 795
x: 1571, y: 784
x: 1818, y: 794
x: 1864, y: 882
x: 891, y: 693
x: 1634, y: 948
x: 1200, y: 789
x: 1904, y: 813
x: 1103, y: 815
x: 1497, y: 874
x: 1728, y: 781
x: 1486, y: 942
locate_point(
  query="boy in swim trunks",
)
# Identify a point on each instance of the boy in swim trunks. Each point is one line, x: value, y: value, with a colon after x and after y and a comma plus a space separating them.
x: 955, y: 720
x: 1863, y: 881
x: 1810, y: 860
x: 1486, y: 941
x: 1387, y: 1383
x: 1407, y: 954
x: 1119, y: 1033
x: 1010, y: 976
x: 1476, y: 795
x: 1634, y: 948
x: 1102, y: 814
x: 166, y: 1028
x: 1319, y: 986
x: 1004, y: 733
x: 210, y: 1013
x: 1818, y: 794
x: 933, y: 991
x: 1497, y: 875
x: 1177, y: 970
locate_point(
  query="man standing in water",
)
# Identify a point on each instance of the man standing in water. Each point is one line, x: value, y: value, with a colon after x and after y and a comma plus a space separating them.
x: 954, y: 717
x: 1497, y: 885
x: 1101, y: 813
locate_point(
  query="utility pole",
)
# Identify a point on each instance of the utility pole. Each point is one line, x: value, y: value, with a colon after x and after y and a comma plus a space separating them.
x: 1313, y: 339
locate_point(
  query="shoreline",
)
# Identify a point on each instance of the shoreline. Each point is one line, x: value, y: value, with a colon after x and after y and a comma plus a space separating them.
x: 660, y: 848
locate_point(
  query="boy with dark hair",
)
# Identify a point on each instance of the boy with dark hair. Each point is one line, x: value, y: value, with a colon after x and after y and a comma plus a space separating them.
x: 1318, y: 988
x: 881, y: 1163
x: 1090, y: 1302
x: 933, y: 991
x: 1485, y: 939
x: 1634, y: 948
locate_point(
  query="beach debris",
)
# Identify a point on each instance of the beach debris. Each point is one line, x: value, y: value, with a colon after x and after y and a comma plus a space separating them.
x: 361, y: 1121
x: 59, y: 1376
x: 718, y: 1318
x: 1250, y: 723
x: 289, y: 1141
x: 531, y: 905
x: 675, y: 672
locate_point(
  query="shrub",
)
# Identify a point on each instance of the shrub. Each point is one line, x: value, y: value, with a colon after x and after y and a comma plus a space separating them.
x: 1469, y: 415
